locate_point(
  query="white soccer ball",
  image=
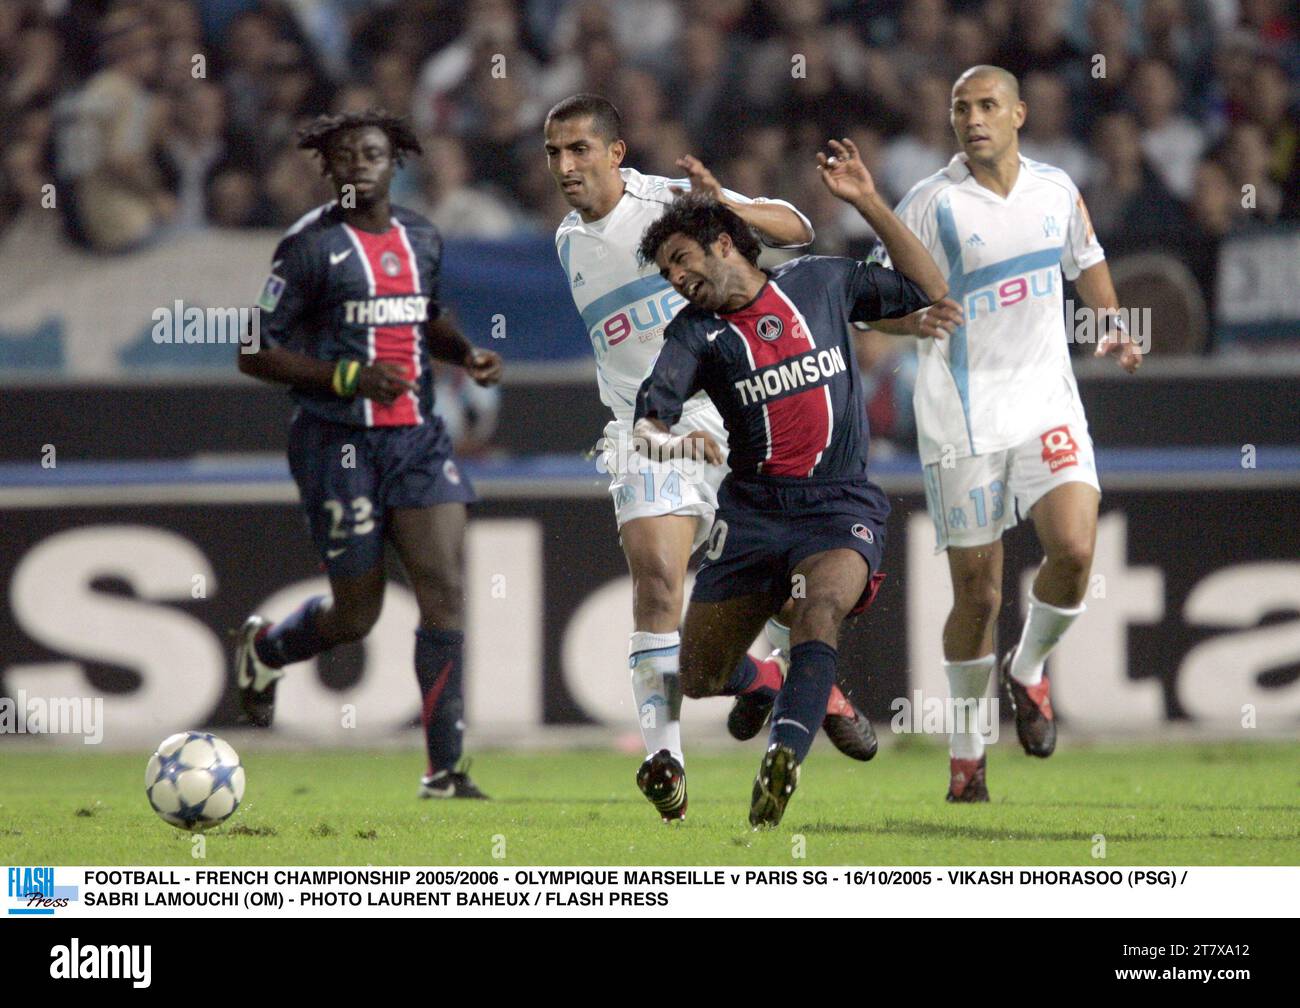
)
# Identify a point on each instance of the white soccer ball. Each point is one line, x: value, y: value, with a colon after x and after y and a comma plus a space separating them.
x: 194, y: 781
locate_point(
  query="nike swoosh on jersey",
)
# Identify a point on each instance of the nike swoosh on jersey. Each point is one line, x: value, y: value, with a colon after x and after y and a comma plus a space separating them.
x: 338, y: 257
x: 711, y: 336
x: 336, y: 552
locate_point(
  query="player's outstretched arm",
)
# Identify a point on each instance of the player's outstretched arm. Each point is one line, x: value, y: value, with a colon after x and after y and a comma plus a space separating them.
x: 939, y: 320
x: 382, y: 382
x: 658, y: 444
x: 779, y: 225
x: 447, y: 343
x: 1098, y: 292
x: 847, y: 178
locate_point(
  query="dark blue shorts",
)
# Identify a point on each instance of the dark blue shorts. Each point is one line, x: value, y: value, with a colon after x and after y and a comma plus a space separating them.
x: 350, y: 478
x: 764, y: 530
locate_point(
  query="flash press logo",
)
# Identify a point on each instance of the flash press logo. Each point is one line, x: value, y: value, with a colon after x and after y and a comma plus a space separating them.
x: 32, y: 893
x: 75, y: 961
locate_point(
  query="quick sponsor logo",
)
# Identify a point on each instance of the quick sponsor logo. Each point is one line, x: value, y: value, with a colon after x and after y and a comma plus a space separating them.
x: 799, y: 372
x: 396, y: 309
x: 1059, y: 449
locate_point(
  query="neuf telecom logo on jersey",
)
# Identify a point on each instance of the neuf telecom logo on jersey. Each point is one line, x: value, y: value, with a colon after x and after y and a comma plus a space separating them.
x: 32, y: 892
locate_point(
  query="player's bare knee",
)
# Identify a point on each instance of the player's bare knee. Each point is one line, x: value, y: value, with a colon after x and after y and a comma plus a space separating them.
x: 656, y: 592
x: 1072, y: 557
x: 977, y: 595
x: 817, y: 618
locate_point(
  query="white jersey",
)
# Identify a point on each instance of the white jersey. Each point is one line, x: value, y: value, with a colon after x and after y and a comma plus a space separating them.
x: 1005, y: 374
x: 625, y: 306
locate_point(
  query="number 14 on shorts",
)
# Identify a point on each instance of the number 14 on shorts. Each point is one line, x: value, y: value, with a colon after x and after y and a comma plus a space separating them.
x: 669, y: 486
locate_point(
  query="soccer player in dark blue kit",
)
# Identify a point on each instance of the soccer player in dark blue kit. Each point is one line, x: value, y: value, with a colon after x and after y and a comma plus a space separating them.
x: 349, y: 319
x: 797, y: 516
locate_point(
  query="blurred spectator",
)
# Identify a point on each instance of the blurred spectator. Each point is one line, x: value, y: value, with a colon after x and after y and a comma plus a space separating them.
x: 1216, y: 208
x: 294, y: 185
x: 1245, y: 157
x: 928, y: 143
x: 233, y: 200
x: 703, y: 84
x: 1130, y: 207
x: 969, y: 43
x: 458, y: 76
x: 1045, y: 136
x: 457, y: 208
x: 644, y: 31
x: 1109, y: 63
x: 1171, y: 141
x: 1037, y: 41
x: 31, y: 224
x: 502, y: 139
x: 30, y: 62
x: 113, y: 143
x: 249, y: 51
x: 194, y: 145
x: 1273, y: 110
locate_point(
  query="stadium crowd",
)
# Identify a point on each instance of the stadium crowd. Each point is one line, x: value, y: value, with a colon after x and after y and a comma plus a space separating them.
x: 153, y: 117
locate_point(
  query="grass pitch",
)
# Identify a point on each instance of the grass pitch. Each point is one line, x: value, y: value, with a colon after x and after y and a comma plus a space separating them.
x: 1230, y: 804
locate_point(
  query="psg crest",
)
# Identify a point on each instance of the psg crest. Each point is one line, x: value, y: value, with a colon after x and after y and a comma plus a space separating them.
x: 390, y: 264
x: 769, y: 328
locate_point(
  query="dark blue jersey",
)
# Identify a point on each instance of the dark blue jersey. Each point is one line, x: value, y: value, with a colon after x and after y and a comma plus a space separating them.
x: 338, y: 292
x: 781, y: 370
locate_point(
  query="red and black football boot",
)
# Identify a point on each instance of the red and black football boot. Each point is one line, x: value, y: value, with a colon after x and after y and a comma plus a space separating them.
x: 1032, y: 706
x: 966, y: 780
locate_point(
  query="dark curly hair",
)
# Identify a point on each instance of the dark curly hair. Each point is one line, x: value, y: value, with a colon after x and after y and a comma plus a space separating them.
x: 702, y: 219
x: 320, y: 132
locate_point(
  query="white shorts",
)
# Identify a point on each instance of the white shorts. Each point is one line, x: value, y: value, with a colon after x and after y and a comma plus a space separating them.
x: 973, y: 500
x: 645, y: 489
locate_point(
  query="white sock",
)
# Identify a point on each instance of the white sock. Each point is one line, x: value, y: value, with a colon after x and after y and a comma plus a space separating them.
x: 778, y: 635
x: 653, y: 659
x: 1044, y: 626
x: 968, y: 680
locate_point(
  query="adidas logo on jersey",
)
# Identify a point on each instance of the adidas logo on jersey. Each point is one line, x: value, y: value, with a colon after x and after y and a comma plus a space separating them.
x: 577, y: 280
x: 393, y: 310
x: 974, y: 240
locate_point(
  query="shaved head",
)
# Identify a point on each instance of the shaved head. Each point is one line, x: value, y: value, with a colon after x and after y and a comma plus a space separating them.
x: 995, y: 73
x: 986, y: 116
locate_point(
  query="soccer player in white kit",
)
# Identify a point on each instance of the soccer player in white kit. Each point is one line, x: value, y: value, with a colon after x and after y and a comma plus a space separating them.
x: 1000, y: 426
x: 664, y: 510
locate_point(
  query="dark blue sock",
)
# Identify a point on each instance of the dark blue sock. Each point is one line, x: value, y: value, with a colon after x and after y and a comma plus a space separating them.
x: 438, y: 658
x: 754, y: 677
x: 295, y: 638
x: 801, y: 705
